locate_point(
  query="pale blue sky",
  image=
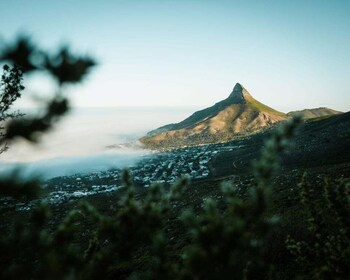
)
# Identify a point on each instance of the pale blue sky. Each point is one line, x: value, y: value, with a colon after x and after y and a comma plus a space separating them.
x: 289, y: 54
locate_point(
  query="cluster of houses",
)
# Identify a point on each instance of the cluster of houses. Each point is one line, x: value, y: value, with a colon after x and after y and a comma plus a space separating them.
x: 161, y: 167
x: 167, y: 167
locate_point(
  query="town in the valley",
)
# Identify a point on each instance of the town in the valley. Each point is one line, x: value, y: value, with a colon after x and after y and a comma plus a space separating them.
x: 159, y: 167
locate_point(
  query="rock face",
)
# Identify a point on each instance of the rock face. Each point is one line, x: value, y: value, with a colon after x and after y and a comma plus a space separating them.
x: 238, y: 114
x: 314, y: 113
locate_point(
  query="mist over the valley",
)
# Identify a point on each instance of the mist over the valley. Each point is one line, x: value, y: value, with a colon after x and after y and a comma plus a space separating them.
x: 88, y: 140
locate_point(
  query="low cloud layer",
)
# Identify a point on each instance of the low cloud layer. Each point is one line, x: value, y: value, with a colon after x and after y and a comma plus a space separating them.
x: 72, y: 165
x: 82, y: 142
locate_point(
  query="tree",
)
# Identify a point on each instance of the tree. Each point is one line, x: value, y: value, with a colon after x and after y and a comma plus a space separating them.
x: 11, y: 87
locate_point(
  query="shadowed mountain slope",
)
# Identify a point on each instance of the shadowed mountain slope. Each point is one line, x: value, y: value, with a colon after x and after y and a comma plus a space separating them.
x: 239, y: 114
x: 320, y: 142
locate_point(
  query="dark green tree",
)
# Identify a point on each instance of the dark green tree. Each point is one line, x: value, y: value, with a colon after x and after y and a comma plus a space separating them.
x: 11, y: 88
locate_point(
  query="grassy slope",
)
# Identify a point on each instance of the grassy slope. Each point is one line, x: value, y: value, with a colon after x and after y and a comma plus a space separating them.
x: 260, y: 107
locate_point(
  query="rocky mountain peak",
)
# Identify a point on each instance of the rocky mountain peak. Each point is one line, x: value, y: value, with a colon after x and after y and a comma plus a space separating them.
x: 239, y: 94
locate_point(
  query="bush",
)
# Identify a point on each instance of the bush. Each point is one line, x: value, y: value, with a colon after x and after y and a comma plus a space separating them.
x: 324, y: 253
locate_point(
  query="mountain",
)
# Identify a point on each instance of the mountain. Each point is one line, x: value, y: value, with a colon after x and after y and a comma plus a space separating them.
x: 314, y: 113
x: 237, y: 115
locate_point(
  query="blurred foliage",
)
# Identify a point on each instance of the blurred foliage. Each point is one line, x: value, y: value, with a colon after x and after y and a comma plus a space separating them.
x: 67, y: 68
x: 324, y: 253
x: 24, y: 57
x: 19, y: 189
x: 21, y: 53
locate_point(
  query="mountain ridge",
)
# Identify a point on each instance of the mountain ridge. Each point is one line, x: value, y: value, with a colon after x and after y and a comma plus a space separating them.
x: 238, y: 114
x: 312, y: 113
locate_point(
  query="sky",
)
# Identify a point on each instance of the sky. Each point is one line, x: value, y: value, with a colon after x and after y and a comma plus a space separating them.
x: 289, y: 55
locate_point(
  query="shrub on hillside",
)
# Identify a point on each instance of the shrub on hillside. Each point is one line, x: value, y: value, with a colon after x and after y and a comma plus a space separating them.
x: 324, y: 253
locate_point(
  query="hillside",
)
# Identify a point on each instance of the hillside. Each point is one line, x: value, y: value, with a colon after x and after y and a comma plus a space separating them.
x: 322, y: 142
x: 239, y: 114
x: 314, y: 113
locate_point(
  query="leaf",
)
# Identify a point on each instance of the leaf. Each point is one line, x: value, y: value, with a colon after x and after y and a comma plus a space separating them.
x: 67, y: 68
x: 21, y: 53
